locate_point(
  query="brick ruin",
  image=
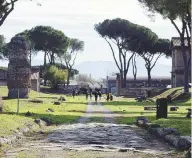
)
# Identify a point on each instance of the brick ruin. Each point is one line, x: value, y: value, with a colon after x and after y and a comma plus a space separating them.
x: 19, y: 72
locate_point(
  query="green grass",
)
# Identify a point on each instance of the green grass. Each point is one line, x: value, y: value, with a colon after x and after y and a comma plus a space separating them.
x: 173, y: 91
x: 182, y: 124
x: 9, y: 123
x: 64, y: 113
x: 129, y: 110
x: 97, y: 119
x: 176, y: 94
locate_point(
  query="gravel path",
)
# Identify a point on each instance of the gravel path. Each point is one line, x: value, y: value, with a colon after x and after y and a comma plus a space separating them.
x: 89, y: 139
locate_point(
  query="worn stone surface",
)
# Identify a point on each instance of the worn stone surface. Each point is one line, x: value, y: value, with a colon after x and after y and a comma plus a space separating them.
x: 62, y: 98
x: 89, y: 137
x: 57, y: 103
x: 172, y: 139
x: 40, y: 122
x: 188, y: 154
x: 19, y: 72
x: 184, y: 142
x: 167, y: 131
x: 142, y: 120
x: 162, y: 132
x: 171, y: 135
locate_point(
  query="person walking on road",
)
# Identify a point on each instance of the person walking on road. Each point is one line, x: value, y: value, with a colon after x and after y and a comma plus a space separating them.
x: 90, y: 93
x: 73, y: 93
x: 96, y: 96
x: 107, y: 97
x: 86, y: 94
x: 100, y: 95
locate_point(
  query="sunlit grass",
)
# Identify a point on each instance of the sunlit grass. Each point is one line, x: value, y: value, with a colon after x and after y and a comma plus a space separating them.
x: 129, y: 110
x: 67, y: 112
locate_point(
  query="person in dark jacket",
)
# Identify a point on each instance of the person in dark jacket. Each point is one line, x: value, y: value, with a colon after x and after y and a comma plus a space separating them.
x: 100, y: 95
x: 111, y: 97
x: 86, y: 94
x: 90, y: 93
x: 96, y: 96
x: 107, y: 96
x: 73, y: 93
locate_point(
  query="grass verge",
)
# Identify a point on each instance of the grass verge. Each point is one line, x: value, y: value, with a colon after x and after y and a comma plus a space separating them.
x: 129, y: 110
x: 63, y: 113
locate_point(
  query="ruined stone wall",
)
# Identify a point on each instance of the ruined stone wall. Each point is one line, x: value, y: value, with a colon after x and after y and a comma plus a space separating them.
x: 19, y: 72
x: 134, y: 92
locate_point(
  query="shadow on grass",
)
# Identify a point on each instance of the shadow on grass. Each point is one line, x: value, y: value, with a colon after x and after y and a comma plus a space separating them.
x: 114, y: 112
x: 50, y: 119
x: 127, y: 103
x: 68, y: 102
x: 48, y: 97
x: 7, y: 98
x: 181, y: 103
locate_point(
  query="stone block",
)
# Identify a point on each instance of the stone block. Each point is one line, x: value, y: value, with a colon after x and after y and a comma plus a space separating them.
x: 173, y: 131
x: 172, y: 139
x: 142, y: 119
x: 19, y: 72
x: 57, y: 103
x: 184, y: 143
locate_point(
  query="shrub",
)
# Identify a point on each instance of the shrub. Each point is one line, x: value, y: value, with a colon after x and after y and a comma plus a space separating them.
x: 55, y: 76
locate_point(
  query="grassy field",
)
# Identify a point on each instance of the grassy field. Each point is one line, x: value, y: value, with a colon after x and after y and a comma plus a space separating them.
x: 67, y: 112
x: 129, y: 110
x: 172, y: 91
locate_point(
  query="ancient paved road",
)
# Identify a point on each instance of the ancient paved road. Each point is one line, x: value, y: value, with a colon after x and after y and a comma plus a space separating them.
x: 89, y: 139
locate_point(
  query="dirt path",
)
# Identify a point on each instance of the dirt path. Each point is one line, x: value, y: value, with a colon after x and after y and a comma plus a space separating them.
x: 87, y: 139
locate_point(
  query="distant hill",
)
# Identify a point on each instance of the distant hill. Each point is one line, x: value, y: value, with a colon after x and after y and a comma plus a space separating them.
x: 100, y: 69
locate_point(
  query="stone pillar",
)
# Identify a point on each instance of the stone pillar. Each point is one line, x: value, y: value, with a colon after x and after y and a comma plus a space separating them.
x: 19, y: 72
x: 118, y: 85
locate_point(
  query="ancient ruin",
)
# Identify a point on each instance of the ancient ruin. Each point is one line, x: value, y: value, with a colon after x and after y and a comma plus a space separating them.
x: 19, y: 72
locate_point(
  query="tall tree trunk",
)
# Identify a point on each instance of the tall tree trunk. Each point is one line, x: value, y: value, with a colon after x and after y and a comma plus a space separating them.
x: 121, y: 77
x: 69, y: 73
x: 182, y: 39
x: 30, y: 58
x: 186, y: 67
x: 45, y: 55
x: 52, y: 58
x: 124, y: 79
x: 124, y: 72
x: 134, y: 65
x: 183, y: 49
x: 149, y: 76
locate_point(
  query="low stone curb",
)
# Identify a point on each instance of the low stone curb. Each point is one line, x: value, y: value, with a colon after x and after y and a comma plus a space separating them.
x: 170, y: 135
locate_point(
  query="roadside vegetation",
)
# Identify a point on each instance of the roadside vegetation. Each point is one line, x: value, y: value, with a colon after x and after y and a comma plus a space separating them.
x: 67, y: 112
x: 129, y: 109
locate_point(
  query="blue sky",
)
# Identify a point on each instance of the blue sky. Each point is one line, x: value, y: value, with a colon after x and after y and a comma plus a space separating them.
x: 76, y: 18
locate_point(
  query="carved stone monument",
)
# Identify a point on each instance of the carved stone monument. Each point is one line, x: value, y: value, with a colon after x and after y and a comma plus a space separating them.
x: 19, y: 72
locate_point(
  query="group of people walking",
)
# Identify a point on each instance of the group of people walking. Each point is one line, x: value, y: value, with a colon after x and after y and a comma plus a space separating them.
x: 89, y: 93
x: 97, y: 94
